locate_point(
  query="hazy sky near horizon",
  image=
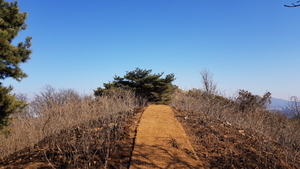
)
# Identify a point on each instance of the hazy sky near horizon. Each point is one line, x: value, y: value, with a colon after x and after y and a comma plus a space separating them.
x: 251, y: 45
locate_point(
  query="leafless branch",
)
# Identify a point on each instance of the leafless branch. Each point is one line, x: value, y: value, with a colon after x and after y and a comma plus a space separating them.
x: 208, y: 84
x: 293, y: 5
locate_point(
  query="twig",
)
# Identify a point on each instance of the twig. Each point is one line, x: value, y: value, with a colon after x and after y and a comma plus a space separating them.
x: 48, y: 159
x: 293, y: 5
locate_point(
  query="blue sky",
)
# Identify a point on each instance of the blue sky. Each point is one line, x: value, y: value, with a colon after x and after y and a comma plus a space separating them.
x: 250, y: 45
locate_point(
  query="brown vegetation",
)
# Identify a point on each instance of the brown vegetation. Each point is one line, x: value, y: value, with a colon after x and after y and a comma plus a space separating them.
x: 238, y: 133
x: 65, y: 130
x: 62, y: 129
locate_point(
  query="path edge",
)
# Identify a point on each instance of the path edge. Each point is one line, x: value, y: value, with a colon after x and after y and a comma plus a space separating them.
x: 135, y: 133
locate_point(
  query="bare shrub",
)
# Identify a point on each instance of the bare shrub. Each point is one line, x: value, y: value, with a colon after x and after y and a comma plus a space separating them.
x: 294, y: 106
x: 82, y: 118
x: 196, y: 101
x: 209, y: 85
x: 248, y: 102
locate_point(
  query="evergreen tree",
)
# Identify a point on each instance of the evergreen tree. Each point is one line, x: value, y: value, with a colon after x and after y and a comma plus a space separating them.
x: 12, y: 21
x: 143, y: 83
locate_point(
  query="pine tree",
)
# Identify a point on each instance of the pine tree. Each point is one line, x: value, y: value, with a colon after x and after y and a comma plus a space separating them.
x: 143, y: 83
x: 12, y: 21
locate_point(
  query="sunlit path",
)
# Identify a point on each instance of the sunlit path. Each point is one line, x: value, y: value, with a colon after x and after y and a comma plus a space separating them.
x: 161, y: 142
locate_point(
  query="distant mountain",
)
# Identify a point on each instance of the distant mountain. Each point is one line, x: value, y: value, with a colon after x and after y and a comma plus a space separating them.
x: 278, y: 103
x: 281, y: 105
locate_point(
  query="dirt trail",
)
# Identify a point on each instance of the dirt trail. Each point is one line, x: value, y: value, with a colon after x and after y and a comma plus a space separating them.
x: 161, y: 142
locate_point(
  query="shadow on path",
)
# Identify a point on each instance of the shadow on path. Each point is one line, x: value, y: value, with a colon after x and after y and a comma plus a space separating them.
x: 169, y: 157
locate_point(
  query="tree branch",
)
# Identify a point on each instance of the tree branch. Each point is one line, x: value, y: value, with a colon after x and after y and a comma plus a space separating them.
x: 293, y: 5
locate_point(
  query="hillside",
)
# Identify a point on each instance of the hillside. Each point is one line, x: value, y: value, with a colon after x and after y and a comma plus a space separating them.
x: 218, y: 144
x: 64, y: 155
x: 103, y: 133
x: 238, y: 133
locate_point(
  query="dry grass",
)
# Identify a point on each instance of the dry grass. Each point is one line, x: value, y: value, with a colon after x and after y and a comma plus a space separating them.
x: 276, y: 138
x: 55, y: 112
x: 67, y: 130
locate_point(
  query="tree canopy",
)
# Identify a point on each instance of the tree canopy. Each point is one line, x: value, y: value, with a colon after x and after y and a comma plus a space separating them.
x: 143, y: 83
x: 12, y: 21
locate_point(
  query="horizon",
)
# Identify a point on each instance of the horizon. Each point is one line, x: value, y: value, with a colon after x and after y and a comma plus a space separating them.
x: 81, y: 45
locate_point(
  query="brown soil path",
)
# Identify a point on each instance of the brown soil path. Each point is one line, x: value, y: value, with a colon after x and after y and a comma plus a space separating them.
x: 161, y: 142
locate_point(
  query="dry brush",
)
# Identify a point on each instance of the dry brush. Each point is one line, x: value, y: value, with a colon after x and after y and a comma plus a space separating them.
x: 61, y: 126
x: 274, y: 135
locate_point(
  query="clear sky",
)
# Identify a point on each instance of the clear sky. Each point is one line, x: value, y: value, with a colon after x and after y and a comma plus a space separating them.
x: 251, y: 45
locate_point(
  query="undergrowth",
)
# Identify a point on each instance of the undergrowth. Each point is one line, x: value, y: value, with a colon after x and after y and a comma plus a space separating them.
x: 79, y: 119
x: 276, y: 136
